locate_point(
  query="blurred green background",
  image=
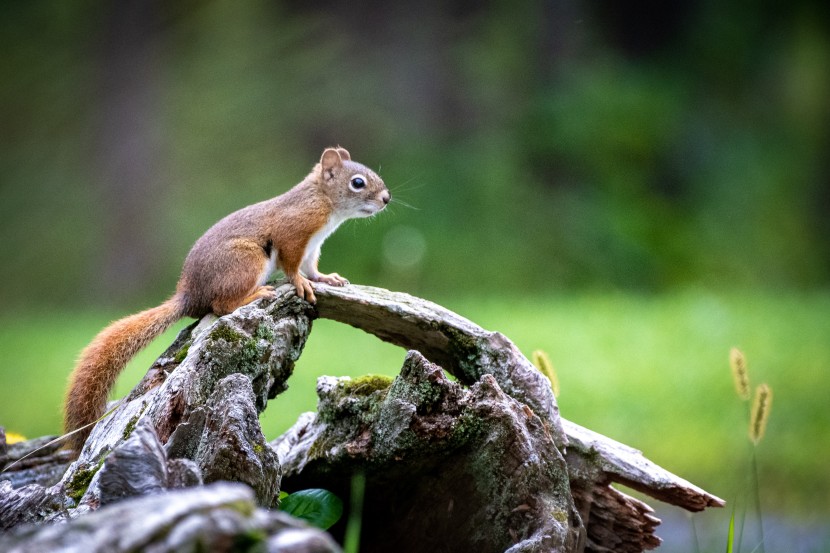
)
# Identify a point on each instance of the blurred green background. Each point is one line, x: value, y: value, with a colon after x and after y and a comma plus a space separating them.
x: 634, y: 187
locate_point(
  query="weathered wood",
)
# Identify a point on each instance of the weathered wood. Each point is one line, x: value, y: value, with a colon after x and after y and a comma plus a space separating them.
x: 31, y: 503
x: 27, y: 494
x: 137, y: 467
x: 217, y: 517
x: 459, y: 346
x: 620, y: 463
x: 193, y: 419
x: 202, y: 398
x: 35, y: 461
x: 463, y: 469
x: 614, y: 521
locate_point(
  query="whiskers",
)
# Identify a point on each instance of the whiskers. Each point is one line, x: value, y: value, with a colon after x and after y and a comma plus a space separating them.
x: 404, y: 187
x: 406, y: 183
x: 397, y: 201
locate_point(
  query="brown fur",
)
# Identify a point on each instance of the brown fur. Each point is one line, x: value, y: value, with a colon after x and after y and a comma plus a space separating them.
x: 226, y: 268
x: 102, y: 360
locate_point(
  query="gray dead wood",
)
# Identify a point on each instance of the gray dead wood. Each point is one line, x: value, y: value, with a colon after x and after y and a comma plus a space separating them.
x: 459, y: 346
x: 26, y: 494
x: 36, y: 461
x: 218, y: 517
x: 447, y: 468
x: 193, y: 420
x: 203, y: 396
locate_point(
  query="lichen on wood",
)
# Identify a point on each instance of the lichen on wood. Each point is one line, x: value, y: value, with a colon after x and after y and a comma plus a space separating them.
x: 464, y: 469
x: 484, y: 464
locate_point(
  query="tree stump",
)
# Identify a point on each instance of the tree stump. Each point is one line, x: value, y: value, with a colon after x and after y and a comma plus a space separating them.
x: 484, y: 463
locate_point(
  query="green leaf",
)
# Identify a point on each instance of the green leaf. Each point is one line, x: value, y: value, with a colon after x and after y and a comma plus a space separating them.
x: 320, y: 508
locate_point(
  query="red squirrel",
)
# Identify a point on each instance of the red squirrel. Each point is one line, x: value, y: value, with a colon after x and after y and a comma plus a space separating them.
x: 228, y: 267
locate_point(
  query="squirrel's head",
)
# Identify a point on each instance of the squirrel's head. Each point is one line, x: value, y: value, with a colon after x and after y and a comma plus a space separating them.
x: 354, y: 189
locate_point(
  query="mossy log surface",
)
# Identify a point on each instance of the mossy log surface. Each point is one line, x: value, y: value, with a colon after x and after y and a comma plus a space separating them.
x: 463, y: 469
x: 459, y: 346
x: 484, y: 463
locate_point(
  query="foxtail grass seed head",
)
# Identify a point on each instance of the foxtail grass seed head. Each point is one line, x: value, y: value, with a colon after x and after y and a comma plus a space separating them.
x: 761, y: 406
x: 542, y: 362
x: 740, y: 374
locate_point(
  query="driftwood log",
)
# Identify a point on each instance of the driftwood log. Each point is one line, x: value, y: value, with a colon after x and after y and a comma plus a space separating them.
x: 483, y: 463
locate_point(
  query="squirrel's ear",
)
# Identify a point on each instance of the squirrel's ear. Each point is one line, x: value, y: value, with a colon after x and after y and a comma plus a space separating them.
x: 329, y: 160
x: 344, y: 153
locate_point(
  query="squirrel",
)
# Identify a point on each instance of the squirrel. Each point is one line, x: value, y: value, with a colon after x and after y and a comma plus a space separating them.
x: 228, y: 267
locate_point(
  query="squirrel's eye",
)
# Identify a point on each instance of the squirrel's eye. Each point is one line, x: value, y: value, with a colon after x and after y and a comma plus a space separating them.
x: 357, y: 183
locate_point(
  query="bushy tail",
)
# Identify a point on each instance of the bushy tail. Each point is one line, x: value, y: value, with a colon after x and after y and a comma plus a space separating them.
x: 103, y: 360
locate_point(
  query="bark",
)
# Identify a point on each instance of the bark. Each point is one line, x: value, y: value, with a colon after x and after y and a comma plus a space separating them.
x: 459, y: 346
x: 464, y: 469
x: 484, y: 463
x: 221, y: 517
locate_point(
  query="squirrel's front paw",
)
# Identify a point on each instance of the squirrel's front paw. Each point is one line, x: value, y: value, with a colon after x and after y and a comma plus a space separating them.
x: 304, y: 289
x: 333, y: 279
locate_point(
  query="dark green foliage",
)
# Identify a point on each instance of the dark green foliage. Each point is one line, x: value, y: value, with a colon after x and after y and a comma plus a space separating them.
x: 533, y: 147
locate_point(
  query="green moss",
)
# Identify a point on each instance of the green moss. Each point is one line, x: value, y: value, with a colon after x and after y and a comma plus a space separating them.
x: 130, y: 426
x: 181, y: 354
x: 128, y: 429
x: 427, y: 393
x: 241, y: 506
x: 365, y: 385
x: 233, y: 352
x: 258, y: 448
x: 469, y: 427
x: 251, y: 349
x: 77, y: 486
x: 593, y: 456
x: 419, y: 391
x: 358, y: 398
x: 226, y: 333
x: 318, y: 447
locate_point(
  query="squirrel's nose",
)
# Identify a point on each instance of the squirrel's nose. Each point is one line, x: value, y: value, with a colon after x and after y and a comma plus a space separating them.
x: 386, y: 197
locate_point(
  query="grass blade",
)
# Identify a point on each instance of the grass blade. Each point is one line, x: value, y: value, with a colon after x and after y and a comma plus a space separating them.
x: 730, y: 537
x: 351, y: 542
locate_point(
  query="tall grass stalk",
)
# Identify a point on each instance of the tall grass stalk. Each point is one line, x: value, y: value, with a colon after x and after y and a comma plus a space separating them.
x: 694, y: 532
x: 757, y: 426
x: 351, y: 542
x: 758, y: 416
x: 757, y: 494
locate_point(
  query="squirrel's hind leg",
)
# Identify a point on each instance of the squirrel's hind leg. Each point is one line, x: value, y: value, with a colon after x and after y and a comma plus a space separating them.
x: 223, y: 307
x: 246, y: 269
